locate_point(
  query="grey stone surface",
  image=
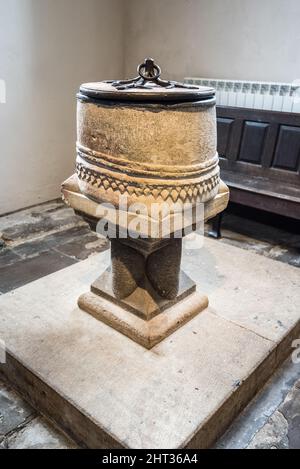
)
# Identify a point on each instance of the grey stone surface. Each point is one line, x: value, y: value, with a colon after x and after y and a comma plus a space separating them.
x: 41, y: 240
x: 13, y: 410
x: 28, y: 270
x: 83, y: 246
x: 30, y: 248
x: 279, y: 242
x: 38, y: 434
x: 102, y: 365
x: 290, y: 409
x: 8, y: 257
x: 227, y: 360
x: 44, y: 219
x: 20, y: 427
x: 28, y: 215
x: 77, y: 242
x: 282, y: 430
x: 261, y: 408
x: 273, y: 434
x: 276, y: 237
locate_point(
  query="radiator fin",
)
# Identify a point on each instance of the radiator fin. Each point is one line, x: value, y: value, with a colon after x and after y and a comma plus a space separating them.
x: 282, y: 97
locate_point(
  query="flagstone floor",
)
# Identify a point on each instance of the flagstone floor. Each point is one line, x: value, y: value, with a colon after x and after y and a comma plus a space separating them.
x: 40, y: 240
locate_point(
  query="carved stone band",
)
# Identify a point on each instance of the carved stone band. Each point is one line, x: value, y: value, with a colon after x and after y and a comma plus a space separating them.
x: 117, y: 163
x: 107, y: 186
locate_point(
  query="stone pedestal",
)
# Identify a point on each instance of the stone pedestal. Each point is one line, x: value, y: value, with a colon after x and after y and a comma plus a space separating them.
x: 145, y: 279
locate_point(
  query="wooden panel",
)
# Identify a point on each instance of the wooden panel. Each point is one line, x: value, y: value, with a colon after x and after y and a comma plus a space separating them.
x: 259, y: 115
x: 263, y: 157
x: 253, y: 140
x: 224, y: 126
x: 234, y: 147
x: 270, y: 144
x: 287, y: 153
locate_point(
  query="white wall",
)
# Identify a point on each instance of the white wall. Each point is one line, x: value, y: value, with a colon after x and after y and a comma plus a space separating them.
x: 238, y: 39
x: 47, y: 48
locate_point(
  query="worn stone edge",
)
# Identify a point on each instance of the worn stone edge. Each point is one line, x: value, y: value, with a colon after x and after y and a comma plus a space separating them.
x: 79, y: 426
x: 218, y: 422
x: 61, y: 411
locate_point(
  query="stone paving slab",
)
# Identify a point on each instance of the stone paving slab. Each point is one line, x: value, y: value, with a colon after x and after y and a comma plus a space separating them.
x: 184, y: 391
x: 13, y: 410
x: 252, y: 291
x: 42, y: 240
x: 28, y: 270
x: 21, y: 428
x: 282, y: 431
x: 258, y: 412
x: 37, y: 434
x: 273, y: 236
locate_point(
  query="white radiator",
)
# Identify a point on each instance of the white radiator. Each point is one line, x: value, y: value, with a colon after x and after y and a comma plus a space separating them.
x: 284, y: 97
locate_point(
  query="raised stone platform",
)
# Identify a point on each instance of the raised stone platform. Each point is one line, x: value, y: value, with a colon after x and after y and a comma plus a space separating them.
x: 107, y: 391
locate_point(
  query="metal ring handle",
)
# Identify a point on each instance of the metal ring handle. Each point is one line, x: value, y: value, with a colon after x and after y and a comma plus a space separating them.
x: 149, y: 70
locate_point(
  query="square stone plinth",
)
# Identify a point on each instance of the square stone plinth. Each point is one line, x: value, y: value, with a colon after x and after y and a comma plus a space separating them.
x: 139, y: 316
x: 105, y: 390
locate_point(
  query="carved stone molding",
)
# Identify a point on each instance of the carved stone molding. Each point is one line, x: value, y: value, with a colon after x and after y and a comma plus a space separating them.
x: 189, y: 192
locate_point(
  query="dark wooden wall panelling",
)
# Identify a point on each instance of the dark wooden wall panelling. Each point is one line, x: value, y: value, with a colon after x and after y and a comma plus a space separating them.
x: 251, y: 140
x: 261, y: 148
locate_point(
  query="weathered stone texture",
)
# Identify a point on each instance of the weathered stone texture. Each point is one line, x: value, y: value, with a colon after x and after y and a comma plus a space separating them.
x: 282, y: 431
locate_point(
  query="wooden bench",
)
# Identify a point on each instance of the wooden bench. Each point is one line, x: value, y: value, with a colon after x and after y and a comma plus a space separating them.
x: 260, y: 159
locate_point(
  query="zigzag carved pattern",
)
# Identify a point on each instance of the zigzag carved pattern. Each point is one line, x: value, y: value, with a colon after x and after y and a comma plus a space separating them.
x: 182, y: 192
